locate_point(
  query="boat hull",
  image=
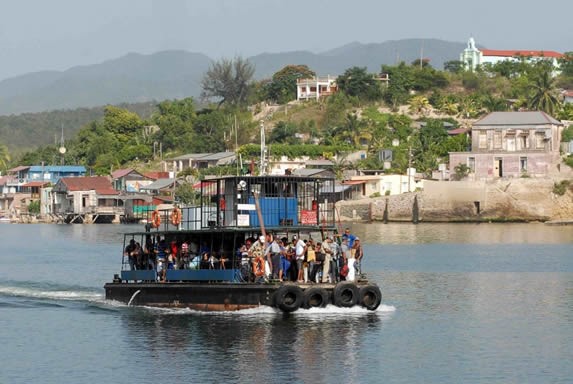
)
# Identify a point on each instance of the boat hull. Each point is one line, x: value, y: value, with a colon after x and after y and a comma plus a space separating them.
x: 227, y: 296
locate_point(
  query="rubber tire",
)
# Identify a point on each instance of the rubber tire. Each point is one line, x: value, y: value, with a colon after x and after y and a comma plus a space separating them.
x: 288, y: 298
x: 345, y: 294
x: 315, y: 298
x: 370, y: 297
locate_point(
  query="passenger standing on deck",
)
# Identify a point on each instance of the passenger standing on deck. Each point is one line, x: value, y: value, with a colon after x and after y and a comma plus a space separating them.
x: 162, y: 248
x: 349, y: 236
x: 328, y: 269
x: 358, y: 254
x: 273, y: 255
x: 327, y: 250
x: 299, y: 250
x: 351, y: 276
x: 130, y: 254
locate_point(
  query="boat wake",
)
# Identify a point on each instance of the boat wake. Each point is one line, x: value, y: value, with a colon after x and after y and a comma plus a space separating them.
x: 54, y: 293
x: 329, y: 310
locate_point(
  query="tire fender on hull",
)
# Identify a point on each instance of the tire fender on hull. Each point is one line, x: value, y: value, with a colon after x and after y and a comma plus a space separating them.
x: 315, y: 298
x: 288, y: 298
x: 370, y: 297
x: 345, y: 294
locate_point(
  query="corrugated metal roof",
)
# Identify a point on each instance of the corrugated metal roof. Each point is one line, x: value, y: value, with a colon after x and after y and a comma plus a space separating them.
x: 100, y: 184
x: 217, y: 156
x: 517, y: 118
x: 121, y: 172
x: 158, y: 184
x: 193, y: 156
x: 19, y: 168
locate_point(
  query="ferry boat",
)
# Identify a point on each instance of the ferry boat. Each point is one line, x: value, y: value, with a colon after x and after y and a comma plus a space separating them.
x: 195, y: 257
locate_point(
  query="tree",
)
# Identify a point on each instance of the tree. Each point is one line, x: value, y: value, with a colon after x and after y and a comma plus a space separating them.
x: 454, y: 66
x: 121, y: 122
x: 543, y: 96
x: 358, y: 82
x: 419, y: 105
x: 282, y: 87
x: 229, y: 81
x: 4, y: 157
x: 401, y: 82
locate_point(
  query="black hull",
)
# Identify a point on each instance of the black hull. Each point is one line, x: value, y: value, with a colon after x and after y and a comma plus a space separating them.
x: 231, y: 296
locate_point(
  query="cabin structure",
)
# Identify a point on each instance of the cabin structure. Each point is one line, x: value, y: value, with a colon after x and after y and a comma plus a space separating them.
x: 512, y: 144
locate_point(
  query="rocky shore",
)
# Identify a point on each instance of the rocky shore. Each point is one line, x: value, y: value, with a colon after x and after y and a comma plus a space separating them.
x: 513, y: 200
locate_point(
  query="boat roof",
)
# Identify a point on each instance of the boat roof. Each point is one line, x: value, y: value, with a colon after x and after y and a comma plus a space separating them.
x: 204, y: 231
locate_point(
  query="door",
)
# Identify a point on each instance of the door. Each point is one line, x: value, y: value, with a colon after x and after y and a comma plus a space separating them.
x: 498, y: 167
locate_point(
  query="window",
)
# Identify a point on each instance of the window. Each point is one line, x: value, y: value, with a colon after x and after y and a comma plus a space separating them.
x: 523, y: 164
x: 524, y: 141
x: 472, y: 164
x: 482, y: 140
x: 539, y: 140
x: 497, y: 139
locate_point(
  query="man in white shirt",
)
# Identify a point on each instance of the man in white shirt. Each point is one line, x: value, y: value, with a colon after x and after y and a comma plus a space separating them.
x: 300, y: 250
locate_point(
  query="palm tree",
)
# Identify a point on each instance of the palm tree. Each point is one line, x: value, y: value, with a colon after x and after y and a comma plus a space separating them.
x: 4, y: 157
x: 543, y: 96
x: 419, y: 105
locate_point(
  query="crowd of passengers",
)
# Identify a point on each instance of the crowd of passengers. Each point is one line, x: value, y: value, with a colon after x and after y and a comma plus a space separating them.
x: 333, y: 259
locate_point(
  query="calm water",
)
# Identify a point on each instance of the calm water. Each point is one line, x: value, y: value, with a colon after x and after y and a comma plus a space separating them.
x: 462, y: 303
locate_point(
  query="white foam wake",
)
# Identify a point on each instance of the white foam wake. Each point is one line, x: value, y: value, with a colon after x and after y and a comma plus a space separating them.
x: 52, y: 295
x: 265, y: 310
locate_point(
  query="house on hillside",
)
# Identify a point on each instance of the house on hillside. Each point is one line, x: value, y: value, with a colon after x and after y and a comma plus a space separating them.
x: 315, y: 88
x: 86, y: 200
x: 472, y: 57
x: 511, y: 144
x: 198, y: 161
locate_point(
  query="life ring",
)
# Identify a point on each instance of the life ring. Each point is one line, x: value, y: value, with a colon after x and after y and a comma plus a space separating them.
x: 288, y: 298
x: 176, y: 216
x: 259, y: 266
x: 315, y: 298
x: 345, y: 294
x: 370, y: 297
x: 155, y: 219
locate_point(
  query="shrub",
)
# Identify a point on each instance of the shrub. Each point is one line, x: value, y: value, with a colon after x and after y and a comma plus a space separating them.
x: 561, y: 187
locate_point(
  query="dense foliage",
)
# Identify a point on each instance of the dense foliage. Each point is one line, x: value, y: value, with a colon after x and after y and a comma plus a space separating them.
x: 356, y: 117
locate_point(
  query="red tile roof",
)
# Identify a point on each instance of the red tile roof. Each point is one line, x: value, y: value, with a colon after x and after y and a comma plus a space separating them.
x: 100, y: 184
x: 156, y: 175
x: 35, y: 184
x: 457, y: 131
x: 525, y: 53
x: 120, y: 173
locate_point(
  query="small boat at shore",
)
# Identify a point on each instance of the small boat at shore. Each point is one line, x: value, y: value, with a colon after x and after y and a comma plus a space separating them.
x: 205, y: 257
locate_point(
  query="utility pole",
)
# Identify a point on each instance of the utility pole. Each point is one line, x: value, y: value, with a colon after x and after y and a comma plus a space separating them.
x: 409, y: 165
x: 262, y: 171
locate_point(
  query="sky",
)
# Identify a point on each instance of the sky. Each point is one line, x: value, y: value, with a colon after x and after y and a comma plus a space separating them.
x: 38, y: 35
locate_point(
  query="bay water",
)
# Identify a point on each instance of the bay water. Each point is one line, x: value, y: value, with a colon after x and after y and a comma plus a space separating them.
x: 462, y: 303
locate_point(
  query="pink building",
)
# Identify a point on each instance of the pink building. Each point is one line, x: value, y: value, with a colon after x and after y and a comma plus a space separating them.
x: 512, y: 144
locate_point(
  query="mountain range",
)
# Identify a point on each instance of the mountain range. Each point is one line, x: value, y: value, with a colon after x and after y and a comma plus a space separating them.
x: 164, y: 75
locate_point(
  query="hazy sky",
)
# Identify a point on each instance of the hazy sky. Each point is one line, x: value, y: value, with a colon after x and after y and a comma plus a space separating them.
x: 59, y: 34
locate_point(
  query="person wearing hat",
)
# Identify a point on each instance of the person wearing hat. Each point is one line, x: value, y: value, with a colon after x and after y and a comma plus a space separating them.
x: 358, y: 254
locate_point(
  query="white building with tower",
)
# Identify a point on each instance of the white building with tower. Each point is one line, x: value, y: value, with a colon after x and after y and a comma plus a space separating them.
x: 472, y: 56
